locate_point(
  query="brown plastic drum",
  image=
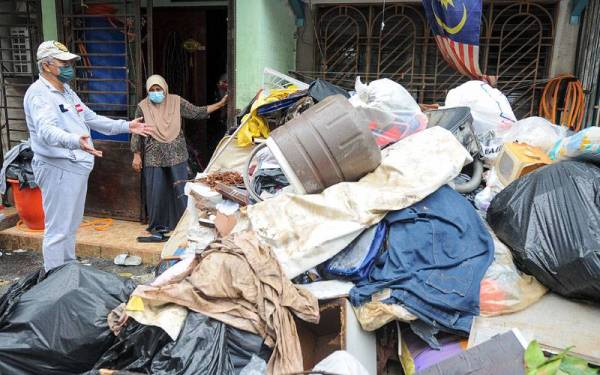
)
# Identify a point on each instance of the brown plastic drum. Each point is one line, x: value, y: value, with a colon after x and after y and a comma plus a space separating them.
x: 328, y: 144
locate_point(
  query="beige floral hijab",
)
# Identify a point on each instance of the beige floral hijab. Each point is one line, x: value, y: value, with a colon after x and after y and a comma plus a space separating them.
x: 165, y: 117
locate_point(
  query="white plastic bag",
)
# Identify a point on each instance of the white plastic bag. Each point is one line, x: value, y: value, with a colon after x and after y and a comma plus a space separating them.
x: 385, y: 95
x: 491, y: 111
x: 341, y: 362
x: 389, y: 109
x: 535, y: 131
x: 492, y: 188
x: 504, y: 289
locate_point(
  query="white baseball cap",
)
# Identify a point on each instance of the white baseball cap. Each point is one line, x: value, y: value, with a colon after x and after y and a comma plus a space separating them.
x: 56, y: 50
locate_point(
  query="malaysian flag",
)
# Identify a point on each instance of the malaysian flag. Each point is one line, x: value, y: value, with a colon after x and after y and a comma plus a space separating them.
x: 456, y: 26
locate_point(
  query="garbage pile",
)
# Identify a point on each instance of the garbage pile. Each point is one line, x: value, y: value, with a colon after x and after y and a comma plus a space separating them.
x: 331, y: 219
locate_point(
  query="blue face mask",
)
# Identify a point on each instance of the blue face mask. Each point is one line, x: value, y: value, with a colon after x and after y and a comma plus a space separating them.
x: 67, y: 73
x: 156, y: 96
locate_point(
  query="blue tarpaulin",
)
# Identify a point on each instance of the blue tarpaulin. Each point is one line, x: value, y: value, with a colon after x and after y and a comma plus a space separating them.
x: 112, y: 66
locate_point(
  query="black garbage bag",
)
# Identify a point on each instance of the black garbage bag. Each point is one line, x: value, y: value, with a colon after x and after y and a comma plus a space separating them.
x: 551, y: 221
x: 320, y: 89
x: 59, y: 324
x: 20, y: 169
x: 10, y: 299
x: 204, y: 346
x: 134, y: 349
x: 16, y: 165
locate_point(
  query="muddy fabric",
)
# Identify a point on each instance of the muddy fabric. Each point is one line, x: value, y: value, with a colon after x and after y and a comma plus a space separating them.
x: 374, y: 315
x: 116, y: 319
x: 306, y: 230
x: 241, y: 283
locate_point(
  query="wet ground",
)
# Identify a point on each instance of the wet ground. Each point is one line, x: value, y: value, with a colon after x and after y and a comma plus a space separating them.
x: 19, y: 263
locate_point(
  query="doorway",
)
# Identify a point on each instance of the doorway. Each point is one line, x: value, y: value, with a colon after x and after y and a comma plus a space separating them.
x: 190, y: 52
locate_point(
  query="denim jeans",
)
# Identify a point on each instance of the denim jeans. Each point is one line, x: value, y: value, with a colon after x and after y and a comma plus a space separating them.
x: 437, y: 253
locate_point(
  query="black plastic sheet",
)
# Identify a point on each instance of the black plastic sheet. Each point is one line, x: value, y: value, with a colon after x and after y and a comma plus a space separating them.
x: 56, y: 323
x: 204, y: 346
x: 321, y: 89
x: 21, y: 170
x: 550, y: 219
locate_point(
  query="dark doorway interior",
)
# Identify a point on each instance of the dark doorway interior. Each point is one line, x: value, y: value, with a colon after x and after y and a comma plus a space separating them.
x: 190, y: 51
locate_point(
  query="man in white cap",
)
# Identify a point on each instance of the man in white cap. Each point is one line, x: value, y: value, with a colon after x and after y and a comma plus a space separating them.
x: 59, y: 125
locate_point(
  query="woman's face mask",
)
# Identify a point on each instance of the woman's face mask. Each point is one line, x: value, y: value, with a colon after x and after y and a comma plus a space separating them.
x: 156, y: 96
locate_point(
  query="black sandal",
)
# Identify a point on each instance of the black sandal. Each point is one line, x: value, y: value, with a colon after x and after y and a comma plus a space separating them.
x: 155, y: 237
x: 159, y: 229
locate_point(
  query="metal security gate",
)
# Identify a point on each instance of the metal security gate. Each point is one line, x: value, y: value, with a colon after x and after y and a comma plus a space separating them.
x: 516, y: 44
x: 20, y: 34
x: 107, y: 35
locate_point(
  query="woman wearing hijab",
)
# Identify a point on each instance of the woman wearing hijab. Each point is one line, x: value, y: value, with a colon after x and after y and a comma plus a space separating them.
x: 165, y: 154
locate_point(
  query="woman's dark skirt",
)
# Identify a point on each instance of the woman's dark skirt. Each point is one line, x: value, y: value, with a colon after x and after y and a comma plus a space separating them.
x: 165, y: 199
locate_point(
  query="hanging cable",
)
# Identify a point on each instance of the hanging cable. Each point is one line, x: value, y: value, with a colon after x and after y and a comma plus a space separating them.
x: 175, y: 64
x: 571, y: 107
x: 382, y: 18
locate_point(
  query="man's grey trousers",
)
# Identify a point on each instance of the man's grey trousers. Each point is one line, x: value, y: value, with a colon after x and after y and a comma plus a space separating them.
x: 63, y: 197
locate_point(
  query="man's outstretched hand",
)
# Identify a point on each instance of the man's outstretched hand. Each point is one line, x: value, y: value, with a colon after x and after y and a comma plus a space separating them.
x: 85, y: 146
x: 139, y: 127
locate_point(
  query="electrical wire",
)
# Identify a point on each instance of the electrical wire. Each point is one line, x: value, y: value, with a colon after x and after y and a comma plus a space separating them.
x: 572, y: 105
x: 175, y: 64
x: 97, y: 224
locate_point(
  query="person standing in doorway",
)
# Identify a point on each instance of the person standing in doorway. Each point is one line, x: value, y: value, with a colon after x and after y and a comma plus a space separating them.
x: 59, y: 126
x: 219, y: 119
x: 164, y: 160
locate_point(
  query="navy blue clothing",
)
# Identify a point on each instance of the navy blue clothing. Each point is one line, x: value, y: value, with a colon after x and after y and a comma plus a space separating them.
x: 437, y: 253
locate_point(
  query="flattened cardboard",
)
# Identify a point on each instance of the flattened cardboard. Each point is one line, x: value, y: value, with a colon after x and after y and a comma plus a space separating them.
x: 501, y: 355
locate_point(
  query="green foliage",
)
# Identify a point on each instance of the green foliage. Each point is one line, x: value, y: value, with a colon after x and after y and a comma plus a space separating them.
x: 561, y: 364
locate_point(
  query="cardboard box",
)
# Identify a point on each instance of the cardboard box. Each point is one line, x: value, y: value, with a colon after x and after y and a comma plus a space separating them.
x: 338, y: 329
x: 225, y: 223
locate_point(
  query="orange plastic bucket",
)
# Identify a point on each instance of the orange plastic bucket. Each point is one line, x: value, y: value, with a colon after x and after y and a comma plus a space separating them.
x: 29, y: 205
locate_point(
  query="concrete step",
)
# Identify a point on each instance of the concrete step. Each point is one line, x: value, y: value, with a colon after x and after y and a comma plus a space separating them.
x: 10, y: 217
x: 118, y: 238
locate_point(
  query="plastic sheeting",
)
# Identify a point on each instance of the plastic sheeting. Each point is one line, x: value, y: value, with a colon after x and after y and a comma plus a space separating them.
x: 306, y: 230
x: 57, y: 324
x: 550, y: 219
x: 205, y: 346
x: 321, y: 89
x: 17, y: 166
x: 535, y: 131
x: 328, y: 289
